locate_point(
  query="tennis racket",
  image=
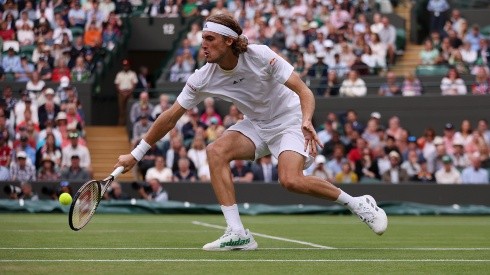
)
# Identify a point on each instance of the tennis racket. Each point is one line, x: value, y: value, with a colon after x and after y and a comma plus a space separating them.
x: 87, y: 199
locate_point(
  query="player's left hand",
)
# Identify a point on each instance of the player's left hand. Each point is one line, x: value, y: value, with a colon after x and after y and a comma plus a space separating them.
x: 311, y: 138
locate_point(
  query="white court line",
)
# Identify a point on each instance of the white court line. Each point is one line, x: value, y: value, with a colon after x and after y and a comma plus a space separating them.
x: 266, y: 236
x: 241, y: 260
x: 261, y: 248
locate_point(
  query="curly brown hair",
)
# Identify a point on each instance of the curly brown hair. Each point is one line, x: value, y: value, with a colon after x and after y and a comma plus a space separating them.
x: 240, y: 44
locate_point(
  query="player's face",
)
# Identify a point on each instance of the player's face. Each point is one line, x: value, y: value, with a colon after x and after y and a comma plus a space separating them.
x: 215, y: 46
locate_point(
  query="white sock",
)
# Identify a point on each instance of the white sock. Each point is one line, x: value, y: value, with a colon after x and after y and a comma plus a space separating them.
x: 232, y: 218
x: 346, y: 200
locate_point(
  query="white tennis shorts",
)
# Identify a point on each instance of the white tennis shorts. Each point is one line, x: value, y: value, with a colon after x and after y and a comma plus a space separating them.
x: 274, y: 137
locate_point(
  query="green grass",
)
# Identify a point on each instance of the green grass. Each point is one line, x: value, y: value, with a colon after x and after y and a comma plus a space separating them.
x: 170, y: 244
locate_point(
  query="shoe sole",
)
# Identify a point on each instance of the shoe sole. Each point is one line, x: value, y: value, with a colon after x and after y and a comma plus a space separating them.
x: 250, y: 246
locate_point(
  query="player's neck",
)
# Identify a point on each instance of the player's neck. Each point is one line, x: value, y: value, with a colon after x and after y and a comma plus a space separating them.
x: 228, y: 62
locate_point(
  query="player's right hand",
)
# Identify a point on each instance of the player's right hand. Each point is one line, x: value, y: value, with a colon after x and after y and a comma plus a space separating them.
x: 126, y: 161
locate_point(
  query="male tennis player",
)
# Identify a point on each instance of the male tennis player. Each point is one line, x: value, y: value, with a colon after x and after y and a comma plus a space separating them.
x: 278, y: 109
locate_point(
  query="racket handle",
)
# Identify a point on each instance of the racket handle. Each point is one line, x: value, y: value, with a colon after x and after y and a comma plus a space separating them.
x: 117, y: 171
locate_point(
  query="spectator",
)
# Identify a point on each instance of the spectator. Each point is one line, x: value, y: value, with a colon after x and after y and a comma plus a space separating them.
x: 25, y: 70
x: 184, y: 173
x: 465, y: 133
x: 48, y: 111
x: 197, y: 152
x: 110, y: 36
x: 481, y: 86
x: 429, y: 55
x: 156, y: 192
x: 25, y: 35
x: 379, y: 51
x: 234, y: 115
x: 448, y: 174
x: 75, y: 148
x: 35, y: 84
x: 411, y: 85
x: 49, y: 150
x: 124, y: 7
x: 353, y: 86
x: 47, y: 171
x: 396, y: 174
x: 346, y: 175
x: 339, y: 66
x: 424, y: 175
x: 92, y: 35
x: 320, y: 169
x: 76, y: 15
x: 190, y: 128
x: 474, y: 37
x: 438, y: 16
x: 43, y: 68
x: 468, y: 54
x: 125, y: 82
x: 387, y: 36
x: 159, y: 171
x: 62, y: 30
x: 80, y: 72
x: 460, y: 158
x: 411, y: 164
x: 148, y: 160
x: 23, y: 144
x: 241, y: 171
x: 6, y: 33
x: 73, y: 171
x: 475, y: 174
x: 482, y: 128
x: 115, y: 192
x: 156, y: 8
x: 140, y: 127
x: 141, y: 107
x: 264, y: 170
x: 163, y: 105
x: 5, y: 151
x: 452, y: 84
x: 22, y: 170
x: 180, y: 70
x: 11, y: 62
x: 391, y: 87
x: 370, y: 133
x: 210, y: 112
x: 144, y: 78
x: 367, y: 168
x: 60, y: 70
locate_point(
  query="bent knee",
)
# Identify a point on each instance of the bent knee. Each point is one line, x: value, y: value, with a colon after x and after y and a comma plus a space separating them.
x: 292, y: 183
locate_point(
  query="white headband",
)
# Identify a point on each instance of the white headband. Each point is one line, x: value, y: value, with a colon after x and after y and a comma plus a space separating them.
x: 220, y: 29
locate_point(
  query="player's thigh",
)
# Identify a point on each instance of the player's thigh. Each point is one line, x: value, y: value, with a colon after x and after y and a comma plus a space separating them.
x: 290, y: 165
x: 232, y: 145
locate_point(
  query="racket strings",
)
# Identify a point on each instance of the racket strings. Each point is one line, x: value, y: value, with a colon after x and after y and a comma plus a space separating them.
x: 85, y: 205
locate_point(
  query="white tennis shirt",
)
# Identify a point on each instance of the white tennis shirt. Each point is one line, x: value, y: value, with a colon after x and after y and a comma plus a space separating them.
x: 255, y: 86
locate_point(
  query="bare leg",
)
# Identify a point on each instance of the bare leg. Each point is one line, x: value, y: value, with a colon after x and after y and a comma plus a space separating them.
x: 291, y: 176
x: 232, y: 145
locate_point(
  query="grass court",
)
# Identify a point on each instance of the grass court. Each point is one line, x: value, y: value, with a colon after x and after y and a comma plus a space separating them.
x: 288, y: 244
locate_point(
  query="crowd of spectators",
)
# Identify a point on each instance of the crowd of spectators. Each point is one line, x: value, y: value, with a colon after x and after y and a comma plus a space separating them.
x: 333, y: 45
x: 320, y: 38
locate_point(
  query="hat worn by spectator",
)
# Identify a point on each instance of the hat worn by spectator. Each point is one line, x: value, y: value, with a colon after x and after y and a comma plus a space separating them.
x: 376, y: 115
x: 213, y: 120
x: 313, y: 25
x: 412, y: 139
x: 394, y: 154
x: 61, y: 116
x: 320, y: 55
x: 64, y: 81
x: 320, y: 159
x: 438, y: 141
x: 47, y: 159
x: 446, y: 159
x: 21, y: 155
x: 73, y: 135
x: 49, y: 91
x: 449, y: 126
x: 458, y: 142
x: 328, y: 43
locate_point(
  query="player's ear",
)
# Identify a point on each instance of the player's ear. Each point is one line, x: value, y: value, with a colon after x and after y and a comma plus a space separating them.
x: 228, y: 40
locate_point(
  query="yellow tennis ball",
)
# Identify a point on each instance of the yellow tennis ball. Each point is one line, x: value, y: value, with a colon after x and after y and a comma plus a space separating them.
x: 65, y: 199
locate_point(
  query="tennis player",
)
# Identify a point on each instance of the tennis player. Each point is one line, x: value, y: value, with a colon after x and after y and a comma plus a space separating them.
x: 278, y: 109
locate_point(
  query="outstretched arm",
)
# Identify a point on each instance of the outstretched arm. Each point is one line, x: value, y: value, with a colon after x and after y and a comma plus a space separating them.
x: 164, y: 123
x: 307, y: 100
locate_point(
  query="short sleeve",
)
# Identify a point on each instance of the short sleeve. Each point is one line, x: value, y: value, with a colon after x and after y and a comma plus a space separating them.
x: 190, y: 95
x: 275, y: 65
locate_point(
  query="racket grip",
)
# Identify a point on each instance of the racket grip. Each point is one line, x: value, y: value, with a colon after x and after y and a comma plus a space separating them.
x: 117, y: 171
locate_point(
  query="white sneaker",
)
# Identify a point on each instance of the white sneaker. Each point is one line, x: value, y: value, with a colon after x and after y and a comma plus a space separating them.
x: 232, y: 241
x: 375, y: 217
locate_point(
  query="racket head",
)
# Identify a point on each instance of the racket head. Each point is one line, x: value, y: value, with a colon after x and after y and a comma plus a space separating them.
x: 84, y: 204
